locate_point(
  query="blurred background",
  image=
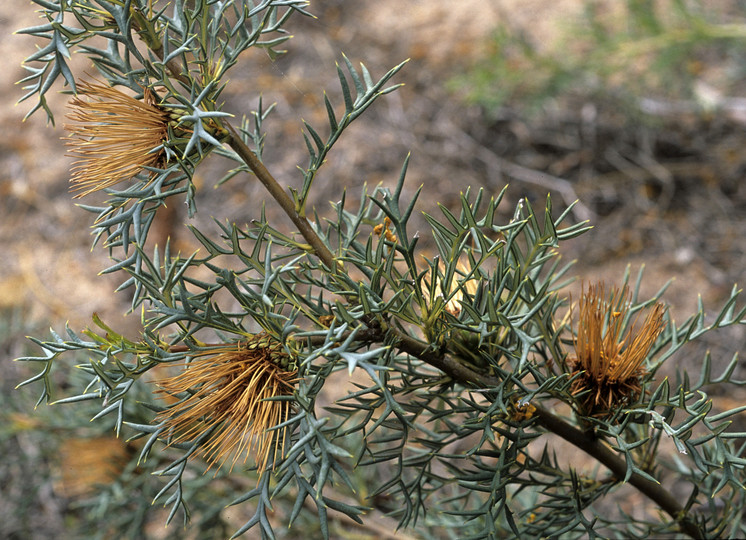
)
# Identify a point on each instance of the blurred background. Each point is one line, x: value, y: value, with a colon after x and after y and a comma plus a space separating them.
x: 637, y: 108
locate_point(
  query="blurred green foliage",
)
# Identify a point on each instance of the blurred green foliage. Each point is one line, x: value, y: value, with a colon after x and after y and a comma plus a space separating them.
x: 621, y: 50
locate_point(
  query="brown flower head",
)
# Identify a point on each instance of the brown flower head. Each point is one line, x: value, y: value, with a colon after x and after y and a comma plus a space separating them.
x: 610, y: 365
x: 115, y: 136
x: 232, y: 392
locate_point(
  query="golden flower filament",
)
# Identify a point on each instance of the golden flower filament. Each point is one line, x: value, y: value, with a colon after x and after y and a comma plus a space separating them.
x: 471, y: 285
x: 114, y: 136
x: 457, y: 286
x: 611, y: 365
x: 231, y: 392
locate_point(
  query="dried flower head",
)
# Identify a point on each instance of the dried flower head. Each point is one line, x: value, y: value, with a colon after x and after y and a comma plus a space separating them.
x: 610, y: 365
x: 232, y: 394
x: 115, y: 136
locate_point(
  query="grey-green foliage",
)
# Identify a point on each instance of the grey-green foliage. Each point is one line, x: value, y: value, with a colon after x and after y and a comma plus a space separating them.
x: 438, y: 437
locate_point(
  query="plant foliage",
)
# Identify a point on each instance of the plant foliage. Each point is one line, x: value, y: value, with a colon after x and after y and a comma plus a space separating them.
x: 461, y: 363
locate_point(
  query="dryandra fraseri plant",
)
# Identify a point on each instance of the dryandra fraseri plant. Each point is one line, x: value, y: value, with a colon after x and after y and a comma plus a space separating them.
x: 455, y: 363
x: 232, y: 393
x: 115, y: 136
x: 609, y: 366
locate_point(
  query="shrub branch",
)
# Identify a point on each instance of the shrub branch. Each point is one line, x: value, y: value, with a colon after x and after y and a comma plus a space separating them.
x: 592, y: 446
x: 278, y: 194
x: 458, y: 371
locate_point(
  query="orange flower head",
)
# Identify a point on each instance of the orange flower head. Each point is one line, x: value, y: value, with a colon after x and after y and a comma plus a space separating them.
x: 115, y: 136
x: 611, y: 365
x: 232, y: 392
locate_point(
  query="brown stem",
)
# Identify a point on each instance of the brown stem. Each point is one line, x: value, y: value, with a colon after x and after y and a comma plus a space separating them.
x: 280, y: 195
x: 604, y: 454
x: 141, y: 25
x: 553, y: 423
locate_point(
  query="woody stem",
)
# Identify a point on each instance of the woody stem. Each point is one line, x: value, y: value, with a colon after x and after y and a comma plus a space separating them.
x: 280, y: 195
x: 557, y: 425
x: 141, y: 25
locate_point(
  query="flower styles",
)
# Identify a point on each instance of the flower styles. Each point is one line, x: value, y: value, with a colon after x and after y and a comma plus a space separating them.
x: 456, y: 286
x: 115, y: 136
x: 610, y: 366
x: 232, y: 392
